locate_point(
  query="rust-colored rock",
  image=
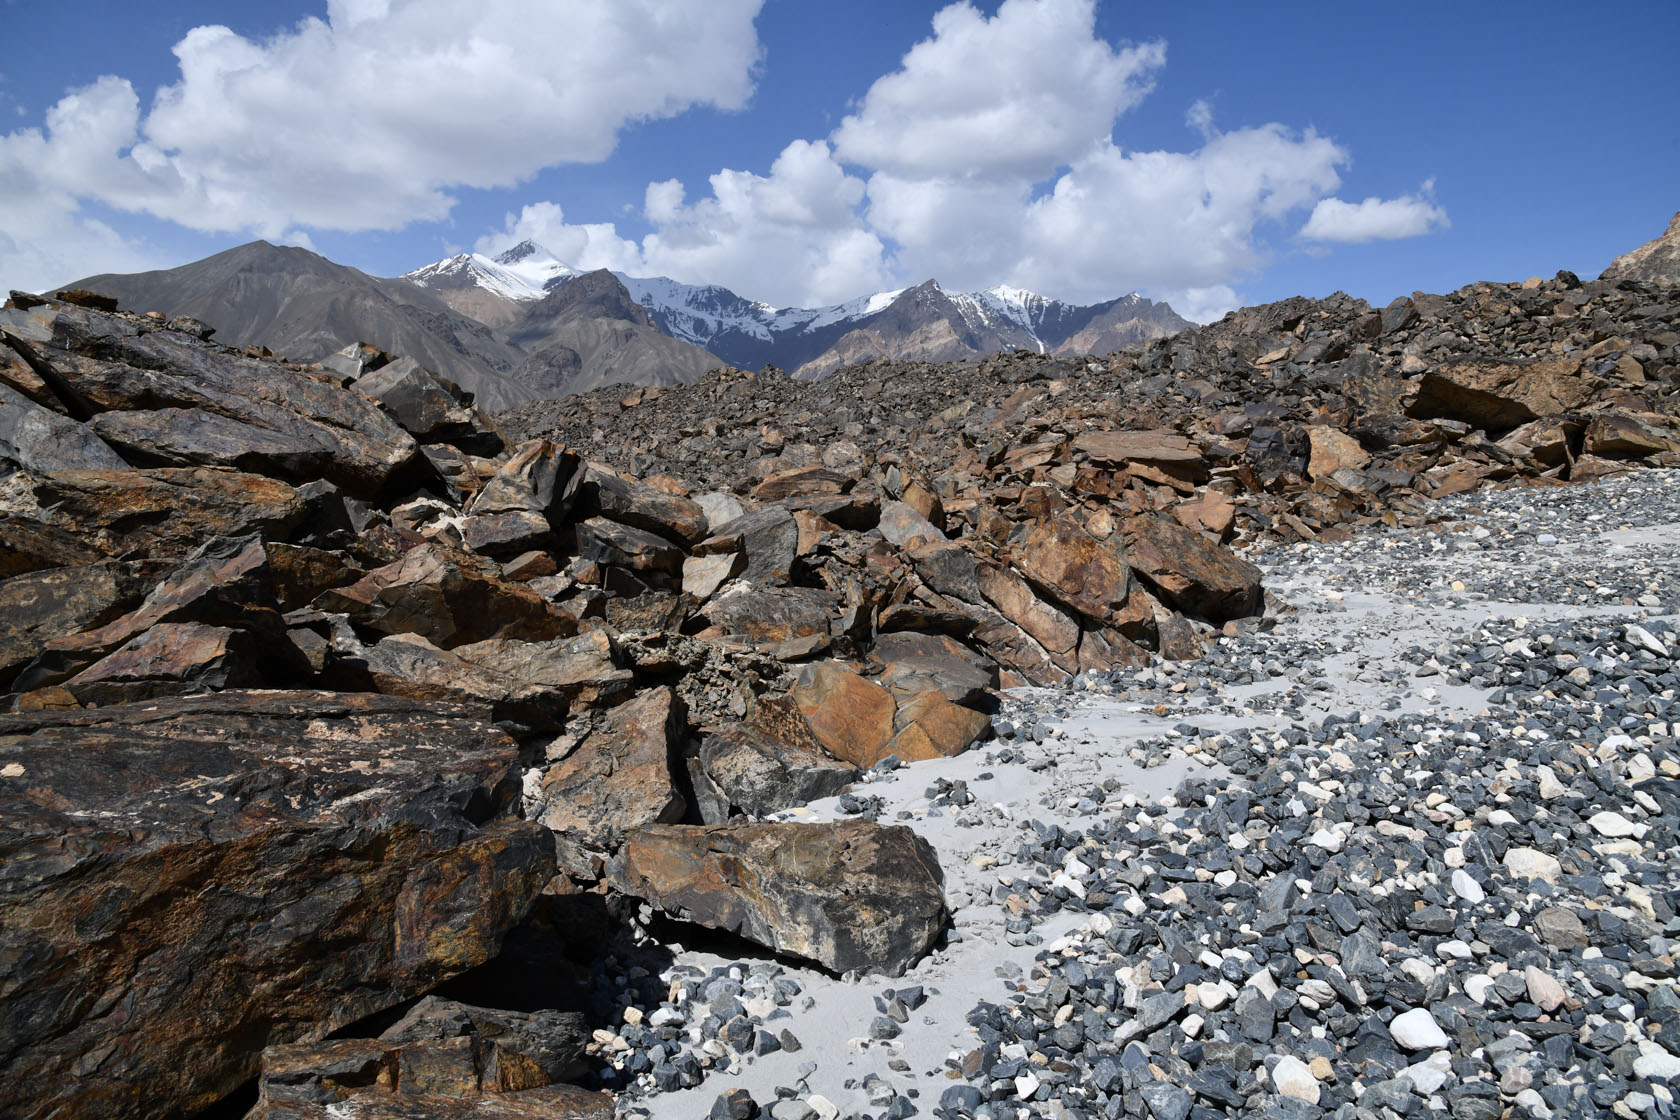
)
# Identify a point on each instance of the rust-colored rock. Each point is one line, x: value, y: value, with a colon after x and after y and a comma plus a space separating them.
x: 1073, y: 567
x: 167, y: 512
x: 449, y: 597
x: 930, y: 726
x: 619, y: 779
x: 1053, y: 629
x: 851, y: 895
x: 909, y: 664
x: 1193, y: 574
x: 188, y: 881
x: 38, y: 606
x: 629, y: 502
x: 1157, y: 445
x: 1332, y: 450
x: 1499, y: 395
x: 851, y: 716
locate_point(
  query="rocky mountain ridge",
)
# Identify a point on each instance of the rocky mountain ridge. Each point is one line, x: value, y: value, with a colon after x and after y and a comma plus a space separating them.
x: 327, y: 690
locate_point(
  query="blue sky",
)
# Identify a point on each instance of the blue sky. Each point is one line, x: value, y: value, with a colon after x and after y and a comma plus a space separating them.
x: 800, y: 153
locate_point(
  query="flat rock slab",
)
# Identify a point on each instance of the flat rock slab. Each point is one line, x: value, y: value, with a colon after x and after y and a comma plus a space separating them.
x: 847, y: 895
x: 1499, y: 395
x: 1193, y: 574
x: 187, y: 881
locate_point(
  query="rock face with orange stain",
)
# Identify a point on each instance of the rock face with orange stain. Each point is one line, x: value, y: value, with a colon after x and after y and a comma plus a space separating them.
x: 186, y: 881
x: 848, y: 895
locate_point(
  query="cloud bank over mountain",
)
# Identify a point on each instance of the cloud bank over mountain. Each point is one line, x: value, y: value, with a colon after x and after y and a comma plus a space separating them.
x: 993, y: 153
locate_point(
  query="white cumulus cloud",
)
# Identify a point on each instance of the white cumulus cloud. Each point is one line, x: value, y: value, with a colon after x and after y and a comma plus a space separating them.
x: 370, y: 118
x: 1375, y: 219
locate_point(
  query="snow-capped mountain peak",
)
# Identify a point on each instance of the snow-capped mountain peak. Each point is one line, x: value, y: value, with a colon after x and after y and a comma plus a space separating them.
x: 523, y: 273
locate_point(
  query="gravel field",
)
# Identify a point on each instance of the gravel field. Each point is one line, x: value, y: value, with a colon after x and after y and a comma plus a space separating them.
x: 1407, y: 852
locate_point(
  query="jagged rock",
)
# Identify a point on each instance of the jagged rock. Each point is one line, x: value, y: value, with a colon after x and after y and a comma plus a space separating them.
x: 930, y: 726
x: 850, y: 715
x: 768, y: 538
x: 1544, y: 441
x: 1333, y: 450
x: 31, y: 546
x: 1193, y: 574
x: 1051, y: 628
x: 801, y: 482
x: 633, y: 503
x: 41, y: 605
x: 40, y: 440
x: 183, y: 400
x: 1160, y: 445
x: 902, y: 525
x: 533, y: 683
x: 179, y: 658
x: 851, y: 895
x: 911, y: 664
x: 508, y: 534
x: 1073, y: 567
x: 769, y: 616
x: 430, y: 407
x: 624, y: 546
x: 1620, y: 435
x: 540, y: 477
x: 202, y: 864
x: 1210, y: 510
x: 299, y: 573
x: 757, y: 771
x: 449, y: 597
x: 1655, y: 262
x: 1499, y: 395
x: 167, y: 512
x: 619, y: 779
x: 703, y: 575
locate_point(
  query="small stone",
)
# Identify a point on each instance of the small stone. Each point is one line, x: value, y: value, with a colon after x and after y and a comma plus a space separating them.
x: 1560, y: 928
x: 1543, y: 991
x: 1417, y: 1030
x: 1614, y: 825
x: 1292, y: 1078
x: 1166, y: 1101
x: 1467, y: 888
x: 1531, y: 863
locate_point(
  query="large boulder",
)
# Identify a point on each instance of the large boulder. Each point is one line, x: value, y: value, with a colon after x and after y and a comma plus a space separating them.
x: 773, y: 763
x: 188, y: 881
x: 431, y: 408
x: 629, y: 502
x: 1071, y: 566
x: 850, y: 895
x: 1499, y: 395
x: 38, y: 606
x: 1192, y: 573
x: 850, y: 715
x: 449, y: 597
x: 40, y: 440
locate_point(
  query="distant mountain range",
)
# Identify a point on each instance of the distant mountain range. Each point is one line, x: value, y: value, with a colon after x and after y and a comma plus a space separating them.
x: 524, y: 325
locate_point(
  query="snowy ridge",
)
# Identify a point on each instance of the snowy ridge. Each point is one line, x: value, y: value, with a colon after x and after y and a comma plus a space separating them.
x: 524, y: 273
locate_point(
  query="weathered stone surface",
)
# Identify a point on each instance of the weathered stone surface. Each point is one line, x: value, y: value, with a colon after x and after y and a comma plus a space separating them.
x: 187, y: 881
x: 848, y: 895
x: 40, y: 440
x: 851, y: 716
x: 1193, y: 574
x: 430, y: 407
x: 532, y: 683
x: 757, y: 773
x: 181, y: 658
x: 703, y: 575
x: 768, y: 538
x: 910, y: 664
x: 38, y: 606
x: 1333, y: 450
x: 173, y: 384
x: 299, y: 573
x: 32, y: 546
x: 902, y: 524
x: 769, y: 615
x: 506, y: 534
x: 1051, y: 628
x: 1621, y: 435
x: 1544, y: 441
x: 629, y: 502
x: 167, y: 512
x: 624, y: 546
x: 539, y: 477
x: 1499, y: 395
x: 948, y: 568
x: 1209, y: 510
x: 801, y: 482
x: 449, y: 597
x: 930, y: 726
x: 1073, y: 567
x: 619, y: 779
x: 1157, y: 445
x: 1655, y: 262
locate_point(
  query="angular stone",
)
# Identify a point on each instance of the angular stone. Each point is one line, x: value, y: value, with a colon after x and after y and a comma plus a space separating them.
x: 38, y: 606
x: 1333, y: 450
x: 449, y: 597
x: 1158, y: 445
x: 1531, y: 863
x: 1561, y: 928
x: 850, y: 715
x: 703, y: 575
x: 1544, y: 441
x: 40, y: 440
x: 849, y: 895
x: 1056, y: 631
x: 430, y: 407
x: 167, y: 512
x: 902, y: 524
x: 202, y: 863
x: 619, y: 779
x: 32, y: 546
x: 768, y: 538
x: 801, y: 482
x: 769, y: 615
x: 1210, y: 510
x: 909, y: 664
x: 1499, y: 395
x: 1193, y: 574
x: 930, y: 726
x: 633, y: 503
x: 758, y: 774
x: 1071, y: 566
x: 506, y: 534
x: 624, y: 546
x: 181, y: 658
x: 1622, y: 435
x: 540, y: 477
